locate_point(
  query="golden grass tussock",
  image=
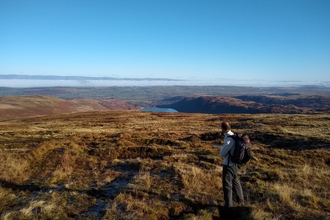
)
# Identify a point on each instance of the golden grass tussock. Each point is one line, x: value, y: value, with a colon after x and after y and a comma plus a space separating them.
x: 125, y: 206
x: 286, y: 193
x: 14, y: 168
x: 197, y: 181
x: 260, y: 214
x: 55, y: 205
x: 29, y: 211
x: 142, y: 180
x: 36, y: 209
x: 7, y: 196
x: 65, y: 167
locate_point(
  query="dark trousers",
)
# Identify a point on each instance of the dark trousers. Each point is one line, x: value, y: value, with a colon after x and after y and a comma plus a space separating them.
x: 231, y: 183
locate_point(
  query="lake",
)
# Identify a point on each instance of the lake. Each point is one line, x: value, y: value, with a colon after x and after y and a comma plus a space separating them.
x: 154, y: 109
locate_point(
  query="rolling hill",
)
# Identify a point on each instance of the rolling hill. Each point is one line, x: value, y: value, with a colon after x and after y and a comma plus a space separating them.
x: 241, y: 104
x: 23, y: 106
x: 35, y: 105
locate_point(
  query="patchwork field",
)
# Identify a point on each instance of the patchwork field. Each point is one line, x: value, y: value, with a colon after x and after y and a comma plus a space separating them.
x: 143, y: 165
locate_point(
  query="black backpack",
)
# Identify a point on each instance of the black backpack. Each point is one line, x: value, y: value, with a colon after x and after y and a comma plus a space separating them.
x: 242, y: 153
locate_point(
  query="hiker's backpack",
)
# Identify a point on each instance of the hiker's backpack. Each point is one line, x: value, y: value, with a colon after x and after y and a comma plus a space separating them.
x: 242, y: 153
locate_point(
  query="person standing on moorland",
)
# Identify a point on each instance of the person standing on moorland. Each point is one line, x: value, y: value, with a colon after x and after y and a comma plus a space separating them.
x: 230, y: 180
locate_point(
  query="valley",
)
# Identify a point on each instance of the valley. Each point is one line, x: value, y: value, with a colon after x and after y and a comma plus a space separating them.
x: 78, y: 153
x: 24, y: 102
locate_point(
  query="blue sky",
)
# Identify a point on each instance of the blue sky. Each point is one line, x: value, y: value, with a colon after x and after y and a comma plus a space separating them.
x: 186, y: 39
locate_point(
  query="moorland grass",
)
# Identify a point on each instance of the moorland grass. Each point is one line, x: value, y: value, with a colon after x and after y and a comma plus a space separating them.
x: 142, y: 165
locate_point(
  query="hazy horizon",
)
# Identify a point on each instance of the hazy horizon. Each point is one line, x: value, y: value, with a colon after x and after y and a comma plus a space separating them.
x: 72, y: 81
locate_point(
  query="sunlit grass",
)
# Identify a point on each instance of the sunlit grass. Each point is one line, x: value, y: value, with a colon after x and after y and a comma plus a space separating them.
x: 14, y: 167
x: 140, y: 165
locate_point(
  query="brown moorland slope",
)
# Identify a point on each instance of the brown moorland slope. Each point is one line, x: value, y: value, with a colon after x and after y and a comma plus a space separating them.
x: 319, y: 103
x: 23, y: 106
x: 218, y: 104
x: 143, y: 165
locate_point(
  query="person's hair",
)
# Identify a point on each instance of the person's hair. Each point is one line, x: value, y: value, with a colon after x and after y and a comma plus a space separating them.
x: 225, y: 126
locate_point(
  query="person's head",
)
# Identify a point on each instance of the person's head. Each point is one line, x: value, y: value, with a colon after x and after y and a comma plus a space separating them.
x: 225, y: 126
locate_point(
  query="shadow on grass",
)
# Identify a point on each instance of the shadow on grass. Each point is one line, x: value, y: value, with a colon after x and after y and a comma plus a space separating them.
x: 235, y: 213
x: 290, y: 142
x: 111, y: 190
x: 23, y: 187
x: 102, y: 194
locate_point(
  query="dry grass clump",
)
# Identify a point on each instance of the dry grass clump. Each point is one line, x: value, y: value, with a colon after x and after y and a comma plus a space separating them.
x: 204, y: 186
x: 260, y: 214
x: 182, y: 158
x: 142, y: 181
x: 126, y: 206
x: 291, y: 191
x: 14, y: 166
x: 7, y: 197
x: 54, y: 205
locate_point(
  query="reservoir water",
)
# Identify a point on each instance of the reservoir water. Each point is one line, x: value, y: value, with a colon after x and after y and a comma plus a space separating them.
x: 155, y: 109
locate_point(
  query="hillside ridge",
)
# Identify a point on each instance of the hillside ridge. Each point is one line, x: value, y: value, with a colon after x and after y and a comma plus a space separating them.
x: 36, y: 105
x: 249, y: 104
